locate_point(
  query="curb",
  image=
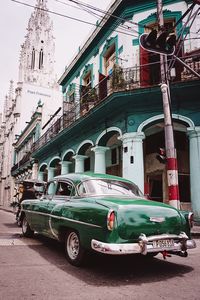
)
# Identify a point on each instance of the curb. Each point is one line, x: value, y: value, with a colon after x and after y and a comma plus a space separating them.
x: 195, y: 232
x: 195, y: 235
x: 7, y: 210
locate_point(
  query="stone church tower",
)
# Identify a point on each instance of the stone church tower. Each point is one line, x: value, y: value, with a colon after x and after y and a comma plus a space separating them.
x: 36, y: 64
x: 37, y: 92
x: 37, y: 80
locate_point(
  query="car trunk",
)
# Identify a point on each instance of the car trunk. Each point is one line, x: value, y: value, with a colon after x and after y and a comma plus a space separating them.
x: 142, y: 216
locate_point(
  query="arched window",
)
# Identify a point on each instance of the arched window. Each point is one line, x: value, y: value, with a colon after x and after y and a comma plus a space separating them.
x: 33, y: 59
x: 41, y: 56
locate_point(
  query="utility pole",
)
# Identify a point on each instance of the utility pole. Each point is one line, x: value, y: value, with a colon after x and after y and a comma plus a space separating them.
x: 171, y: 157
x: 164, y: 44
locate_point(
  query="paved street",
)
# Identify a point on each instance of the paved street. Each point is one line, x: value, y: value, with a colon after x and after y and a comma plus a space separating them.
x: 37, y: 269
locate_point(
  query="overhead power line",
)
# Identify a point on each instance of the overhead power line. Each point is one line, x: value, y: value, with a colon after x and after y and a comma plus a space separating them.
x: 91, y: 9
x: 69, y: 17
x: 53, y: 12
x: 106, y: 13
x: 99, y: 13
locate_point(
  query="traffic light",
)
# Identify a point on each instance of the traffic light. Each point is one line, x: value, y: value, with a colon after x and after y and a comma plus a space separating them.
x: 161, y: 156
x: 163, y: 43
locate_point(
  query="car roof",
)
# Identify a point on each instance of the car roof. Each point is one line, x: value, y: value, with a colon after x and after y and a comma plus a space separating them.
x: 78, y: 177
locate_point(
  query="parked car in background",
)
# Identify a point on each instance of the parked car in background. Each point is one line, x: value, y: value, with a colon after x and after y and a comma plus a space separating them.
x: 106, y: 214
x: 27, y: 189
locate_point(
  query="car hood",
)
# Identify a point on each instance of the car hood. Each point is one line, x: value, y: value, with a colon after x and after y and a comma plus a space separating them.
x: 136, y: 216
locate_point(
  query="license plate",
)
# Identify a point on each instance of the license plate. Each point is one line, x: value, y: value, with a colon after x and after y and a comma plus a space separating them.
x: 163, y: 243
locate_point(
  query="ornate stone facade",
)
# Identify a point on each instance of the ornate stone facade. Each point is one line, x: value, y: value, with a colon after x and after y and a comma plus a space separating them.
x: 36, y: 63
x: 36, y: 86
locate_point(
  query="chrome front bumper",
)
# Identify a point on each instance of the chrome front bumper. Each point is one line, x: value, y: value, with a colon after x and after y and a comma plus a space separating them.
x: 145, y: 245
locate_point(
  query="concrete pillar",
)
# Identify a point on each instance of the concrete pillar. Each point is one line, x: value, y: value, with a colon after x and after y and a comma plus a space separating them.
x: 65, y: 167
x: 35, y: 171
x: 194, y: 152
x: 40, y: 175
x: 100, y: 159
x: 133, y: 161
x: 79, y: 163
x: 51, y: 172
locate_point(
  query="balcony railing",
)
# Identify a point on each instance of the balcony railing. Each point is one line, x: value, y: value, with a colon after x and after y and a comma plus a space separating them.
x: 24, y: 159
x: 193, y: 62
x: 120, y: 80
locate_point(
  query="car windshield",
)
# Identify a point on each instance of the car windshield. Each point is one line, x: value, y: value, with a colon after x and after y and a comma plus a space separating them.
x: 99, y: 187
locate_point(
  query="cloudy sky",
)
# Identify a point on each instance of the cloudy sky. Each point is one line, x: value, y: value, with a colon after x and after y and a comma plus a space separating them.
x: 13, y: 23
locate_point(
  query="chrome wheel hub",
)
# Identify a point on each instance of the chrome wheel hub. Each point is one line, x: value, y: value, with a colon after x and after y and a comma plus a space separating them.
x: 73, y: 245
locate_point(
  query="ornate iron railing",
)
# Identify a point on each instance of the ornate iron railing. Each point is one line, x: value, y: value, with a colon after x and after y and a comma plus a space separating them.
x: 24, y: 159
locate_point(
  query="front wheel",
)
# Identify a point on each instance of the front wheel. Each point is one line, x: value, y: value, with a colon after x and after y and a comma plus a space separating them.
x: 19, y: 222
x: 19, y: 219
x: 75, y: 253
x: 26, y: 230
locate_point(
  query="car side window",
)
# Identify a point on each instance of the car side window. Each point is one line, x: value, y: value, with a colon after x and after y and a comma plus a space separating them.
x: 64, y: 188
x: 81, y: 190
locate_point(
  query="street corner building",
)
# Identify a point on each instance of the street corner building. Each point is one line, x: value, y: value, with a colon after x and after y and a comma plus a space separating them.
x: 112, y: 112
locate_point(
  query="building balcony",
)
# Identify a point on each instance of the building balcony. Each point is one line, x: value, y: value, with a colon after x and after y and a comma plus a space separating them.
x: 121, y: 80
x: 22, y: 162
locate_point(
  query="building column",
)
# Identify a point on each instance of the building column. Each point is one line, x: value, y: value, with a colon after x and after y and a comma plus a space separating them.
x: 35, y: 171
x: 65, y: 167
x: 40, y: 175
x: 194, y: 152
x: 79, y: 163
x: 3, y: 181
x: 51, y: 172
x: 133, y: 161
x: 100, y: 159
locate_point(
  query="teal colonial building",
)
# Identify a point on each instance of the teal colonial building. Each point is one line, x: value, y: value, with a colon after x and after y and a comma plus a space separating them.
x: 113, y: 118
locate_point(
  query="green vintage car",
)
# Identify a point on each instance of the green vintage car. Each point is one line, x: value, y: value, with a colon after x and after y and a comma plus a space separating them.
x: 107, y: 214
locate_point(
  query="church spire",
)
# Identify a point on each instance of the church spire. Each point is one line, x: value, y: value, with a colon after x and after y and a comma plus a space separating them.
x: 36, y: 65
x: 41, y: 4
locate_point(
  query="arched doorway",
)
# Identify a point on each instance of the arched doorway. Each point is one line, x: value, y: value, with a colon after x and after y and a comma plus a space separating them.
x: 56, y: 165
x: 84, y: 151
x: 156, y: 186
x: 43, y: 172
x: 67, y: 164
x: 110, y: 139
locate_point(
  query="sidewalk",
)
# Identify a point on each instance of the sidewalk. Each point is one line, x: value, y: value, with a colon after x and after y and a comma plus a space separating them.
x: 195, y: 230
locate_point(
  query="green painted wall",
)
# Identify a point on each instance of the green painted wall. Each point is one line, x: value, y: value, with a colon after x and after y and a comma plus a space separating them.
x: 125, y: 111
